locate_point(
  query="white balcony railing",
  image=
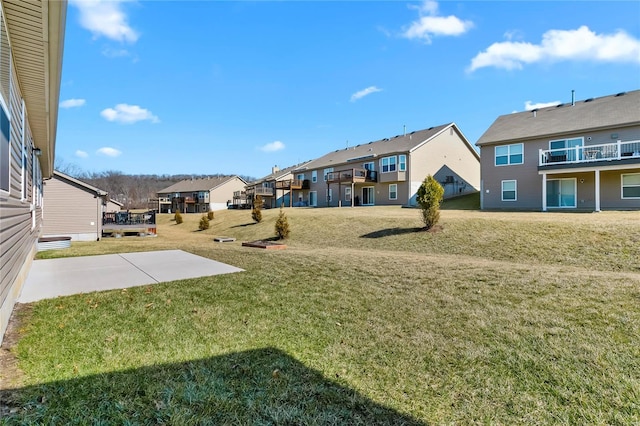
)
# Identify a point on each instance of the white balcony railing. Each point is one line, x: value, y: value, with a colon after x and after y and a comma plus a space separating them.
x: 590, y: 153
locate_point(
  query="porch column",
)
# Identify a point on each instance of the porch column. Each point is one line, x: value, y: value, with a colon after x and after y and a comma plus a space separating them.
x: 352, y: 193
x: 597, y: 172
x: 544, y: 192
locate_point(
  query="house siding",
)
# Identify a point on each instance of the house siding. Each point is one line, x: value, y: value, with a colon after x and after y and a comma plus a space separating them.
x: 70, y: 210
x: 529, y: 179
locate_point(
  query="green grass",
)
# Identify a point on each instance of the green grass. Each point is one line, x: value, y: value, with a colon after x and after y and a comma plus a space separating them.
x: 496, y: 318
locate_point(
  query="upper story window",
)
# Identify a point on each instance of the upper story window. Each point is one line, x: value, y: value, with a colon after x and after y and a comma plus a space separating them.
x: 300, y: 176
x: 509, y: 154
x: 388, y: 164
x: 326, y: 171
x: 369, y: 166
x: 402, y: 162
x: 314, y: 176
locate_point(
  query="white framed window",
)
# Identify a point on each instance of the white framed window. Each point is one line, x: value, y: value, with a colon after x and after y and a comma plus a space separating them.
x: 388, y: 164
x: 506, y: 155
x: 326, y: 172
x: 347, y: 194
x: 509, y: 190
x: 369, y: 166
x: 393, y: 191
x: 5, y: 150
x: 330, y: 194
x: 561, y: 193
x: 565, y: 149
x: 402, y: 162
x: 630, y: 186
x: 314, y: 176
x: 300, y: 176
x: 313, y: 198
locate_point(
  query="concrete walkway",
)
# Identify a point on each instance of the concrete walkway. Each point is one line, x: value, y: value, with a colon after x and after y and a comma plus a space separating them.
x: 49, y: 278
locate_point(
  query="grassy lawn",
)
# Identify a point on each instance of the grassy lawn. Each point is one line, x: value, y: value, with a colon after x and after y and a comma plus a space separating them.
x: 496, y: 318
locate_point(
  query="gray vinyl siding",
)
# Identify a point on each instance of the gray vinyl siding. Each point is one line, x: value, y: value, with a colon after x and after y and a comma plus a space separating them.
x: 70, y: 210
x: 18, y: 208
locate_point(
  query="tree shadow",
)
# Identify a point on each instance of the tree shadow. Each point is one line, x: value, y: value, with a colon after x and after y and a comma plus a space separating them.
x: 262, y: 386
x: 243, y: 225
x: 391, y: 231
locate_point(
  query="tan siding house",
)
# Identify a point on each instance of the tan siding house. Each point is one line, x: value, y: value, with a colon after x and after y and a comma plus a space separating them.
x: 31, y: 43
x: 390, y: 171
x: 280, y: 187
x: 583, y: 155
x: 73, y: 208
x: 199, y: 195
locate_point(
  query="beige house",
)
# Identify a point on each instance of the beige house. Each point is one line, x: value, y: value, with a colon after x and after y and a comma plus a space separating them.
x: 582, y: 155
x: 31, y: 44
x: 275, y: 189
x: 390, y: 171
x: 73, y: 208
x: 199, y: 195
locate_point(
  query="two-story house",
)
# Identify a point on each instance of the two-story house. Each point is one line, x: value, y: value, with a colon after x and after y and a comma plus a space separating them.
x: 199, y: 195
x: 390, y: 171
x: 583, y: 155
x: 31, y: 45
x: 276, y: 189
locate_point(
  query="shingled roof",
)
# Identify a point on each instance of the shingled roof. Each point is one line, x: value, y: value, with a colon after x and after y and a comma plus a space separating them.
x: 620, y: 110
x: 195, y: 185
x: 279, y: 173
x: 376, y: 149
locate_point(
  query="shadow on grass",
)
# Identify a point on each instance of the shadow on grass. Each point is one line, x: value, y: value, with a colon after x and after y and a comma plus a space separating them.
x: 391, y: 231
x: 243, y: 225
x: 262, y: 386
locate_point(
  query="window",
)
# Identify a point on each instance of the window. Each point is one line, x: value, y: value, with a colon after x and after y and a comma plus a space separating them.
x: 393, y: 191
x: 631, y: 186
x: 326, y: 171
x: 509, y: 190
x: 329, y: 195
x: 565, y: 149
x: 509, y: 154
x: 300, y: 176
x: 314, y: 176
x: 347, y: 194
x: 369, y: 166
x: 402, y: 163
x: 313, y: 198
x: 5, y: 150
x: 388, y: 164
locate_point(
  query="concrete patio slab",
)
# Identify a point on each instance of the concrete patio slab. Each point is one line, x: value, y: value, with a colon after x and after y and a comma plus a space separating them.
x: 49, y: 278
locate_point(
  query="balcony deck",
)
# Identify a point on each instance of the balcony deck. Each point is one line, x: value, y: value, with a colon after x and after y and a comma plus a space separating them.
x: 123, y: 223
x: 352, y: 176
x: 608, y: 153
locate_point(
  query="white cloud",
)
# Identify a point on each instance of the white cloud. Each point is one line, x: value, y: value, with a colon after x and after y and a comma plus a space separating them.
x: 430, y: 24
x: 128, y: 114
x: 561, y: 45
x: 528, y: 106
x: 72, y: 103
x: 109, y: 152
x: 81, y: 154
x: 364, y: 92
x: 115, y: 53
x: 272, y: 147
x: 105, y: 18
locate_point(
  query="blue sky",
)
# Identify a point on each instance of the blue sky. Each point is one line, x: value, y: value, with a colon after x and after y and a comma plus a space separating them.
x: 205, y: 87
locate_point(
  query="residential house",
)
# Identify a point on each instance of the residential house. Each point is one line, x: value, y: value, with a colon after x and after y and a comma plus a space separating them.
x: 74, y: 208
x: 199, y: 195
x: 276, y: 188
x: 582, y: 155
x: 31, y: 44
x: 390, y: 171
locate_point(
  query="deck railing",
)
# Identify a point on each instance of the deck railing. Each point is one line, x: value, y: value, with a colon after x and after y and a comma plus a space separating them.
x: 353, y: 175
x: 590, y: 153
x: 127, y: 218
x: 260, y: 190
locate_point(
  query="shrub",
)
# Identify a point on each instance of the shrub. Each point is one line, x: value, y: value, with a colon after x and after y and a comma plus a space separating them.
x: 178, y: 217
x: 204, y: 223
x: 282, y: 226
x: 256, y: 212
x: 429, y: 198
x: 210, y: 215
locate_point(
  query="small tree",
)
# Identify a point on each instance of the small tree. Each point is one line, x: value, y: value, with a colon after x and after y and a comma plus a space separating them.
x: 204, y: 223
x: 178, y: 217
x: 210, y: 214
x: 282, y: 225
x: 429, y: 198
x: 256, y: 213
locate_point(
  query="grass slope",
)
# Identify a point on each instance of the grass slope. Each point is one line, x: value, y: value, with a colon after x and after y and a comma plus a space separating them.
x: 498, y: 318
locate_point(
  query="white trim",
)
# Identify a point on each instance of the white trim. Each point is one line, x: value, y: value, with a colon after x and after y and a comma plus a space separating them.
x: 508, y: 146
x: 347, y: 194
x: 314, y: 176
x: 622, y: 186
x: 23, y: 156
x: 405, y: 163
x: 597, y: 190
x: 544, y: 192
x: 396, y: 191
x: 575, y: 194
x: 315, y: 193
x: 515, y: 190
x: 395, y: 164
x: 373, y: 203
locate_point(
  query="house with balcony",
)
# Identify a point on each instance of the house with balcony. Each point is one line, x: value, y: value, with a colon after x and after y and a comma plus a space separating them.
x: 199, y: 195
x: 280, y: 187
x: 31, y: 45
x: 390, y: 171
x: 583, y: 155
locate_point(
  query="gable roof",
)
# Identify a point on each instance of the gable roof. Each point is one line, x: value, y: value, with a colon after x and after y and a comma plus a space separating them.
x: 203, y: 184
x: 279, y: 173
x: 372, y: 150
x: 79, y: 183
x: 622, y: 109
